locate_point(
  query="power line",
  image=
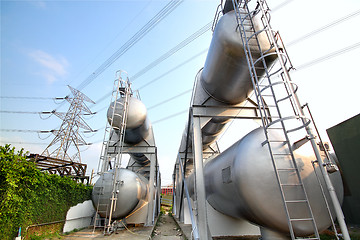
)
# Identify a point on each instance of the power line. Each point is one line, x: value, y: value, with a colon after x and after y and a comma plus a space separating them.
x: 132, y: 41
x: 310, y: 34
x: 120, y: 32
x: 154, y: 63
x: 34, y: 143
x: 27, y: 130
x: 170, y: 116
x: 328, y: 56
x: 169, y: 53
x: 169, y: 99
x: 157, y: 78
x: 20, y: 112
x: 52, y: 112
x: 172, y: 51
x: 323, y: 28
x: 305, y: 65
x: 163, y: 13
x: 199, y: 33
x: 160, y: 103
x: 173, y: 69
x: 281, y: 5
x: 164, y: 57
x: 40, y: 131
x: 35, y: 98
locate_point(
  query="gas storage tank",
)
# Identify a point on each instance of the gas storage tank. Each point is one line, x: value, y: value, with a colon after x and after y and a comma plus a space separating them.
x: 226, y: 76
x: 131, y: 188
x: 137, y: 124
x: 241, y: 182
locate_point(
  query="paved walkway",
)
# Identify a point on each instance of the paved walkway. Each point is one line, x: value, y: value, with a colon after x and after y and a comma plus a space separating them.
x: 167, y: 229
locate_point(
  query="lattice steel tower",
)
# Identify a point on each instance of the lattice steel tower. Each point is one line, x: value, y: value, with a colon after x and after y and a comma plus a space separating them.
x: 69, y: 135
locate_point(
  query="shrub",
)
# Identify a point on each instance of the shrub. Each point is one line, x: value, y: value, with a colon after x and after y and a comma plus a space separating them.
x: 29, y: 196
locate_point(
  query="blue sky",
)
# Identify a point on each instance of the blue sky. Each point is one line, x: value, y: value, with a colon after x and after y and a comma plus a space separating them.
x: 47, y: 45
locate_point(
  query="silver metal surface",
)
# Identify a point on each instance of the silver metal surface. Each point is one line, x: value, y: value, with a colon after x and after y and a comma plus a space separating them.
x: 193, y: 223
x: 225, y: 78
x: 199, y: 181
x: 137, y: 124
x: 126, y: 193
x: 245, y: 181
x: 132, y: 193
x: 241, y: 183
x: 226, y: 75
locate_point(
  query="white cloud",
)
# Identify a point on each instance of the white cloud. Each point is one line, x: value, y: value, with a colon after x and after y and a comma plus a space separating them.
x: 51, y: 67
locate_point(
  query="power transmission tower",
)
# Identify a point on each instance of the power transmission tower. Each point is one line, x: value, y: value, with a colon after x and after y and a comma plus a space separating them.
x: 68, y: 135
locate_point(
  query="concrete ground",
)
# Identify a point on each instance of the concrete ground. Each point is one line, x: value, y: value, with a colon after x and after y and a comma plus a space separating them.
x: 165, y: 229
x: 133, y: 233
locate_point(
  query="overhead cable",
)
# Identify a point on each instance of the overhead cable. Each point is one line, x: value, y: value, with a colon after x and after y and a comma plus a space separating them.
x: 164, y: 12
x: 20, y: 112
x: 132, y: 41
x: 120, y: 32
x: 26, y: 131
x: 310, y: 34
x: 35, y: 143
x: 40, y: 131
x: 169, y: 99
x: 160, y: 103
x: 323, y: 28
x: 170, y: 116
x: 173, y: 69
x: 169, y: 53
x: 281, y: 5
x: 328, y: 56
x: 35, y: 98
x: 157, y: 78
x: 47, y: 112
x: 305, y: 65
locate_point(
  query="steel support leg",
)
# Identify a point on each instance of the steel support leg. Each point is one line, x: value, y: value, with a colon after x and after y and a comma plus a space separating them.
x: 149, y: 219
x: 202, y: 221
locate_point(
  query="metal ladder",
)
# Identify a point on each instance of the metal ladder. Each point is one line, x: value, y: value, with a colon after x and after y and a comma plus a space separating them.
x: 268, y: 100
x: 112, y: 160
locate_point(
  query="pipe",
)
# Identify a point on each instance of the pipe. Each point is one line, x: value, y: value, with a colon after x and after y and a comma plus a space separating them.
x: 49, y: 223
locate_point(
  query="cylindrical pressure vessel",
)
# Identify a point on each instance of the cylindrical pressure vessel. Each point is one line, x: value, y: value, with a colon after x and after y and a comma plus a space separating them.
x: 225, y: 77
x: 130, y: 188
x: 226, y: 74
x: 241, y: 182
x: 137, y: 124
